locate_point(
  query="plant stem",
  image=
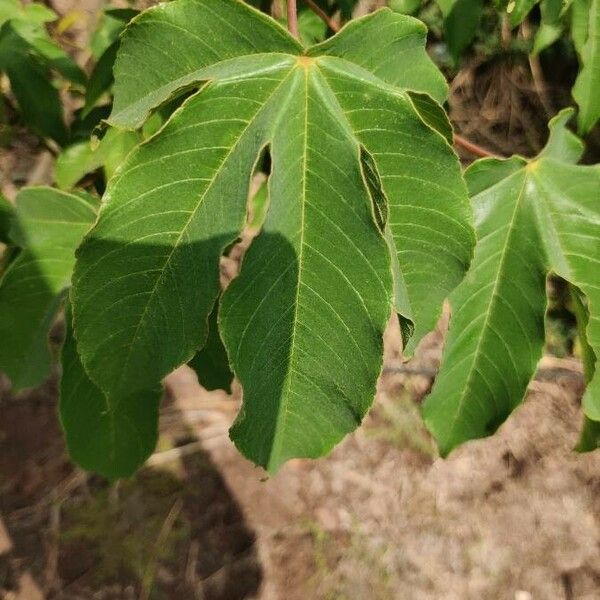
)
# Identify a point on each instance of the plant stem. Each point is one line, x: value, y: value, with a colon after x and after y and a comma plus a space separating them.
x: 323, y: 15
x: 537, y: 74
x: 473, y: 148
x: 292, y: 16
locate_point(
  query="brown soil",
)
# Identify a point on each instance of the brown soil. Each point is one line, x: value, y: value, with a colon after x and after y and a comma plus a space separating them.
x: 175, y: 532
x: 512, y: 516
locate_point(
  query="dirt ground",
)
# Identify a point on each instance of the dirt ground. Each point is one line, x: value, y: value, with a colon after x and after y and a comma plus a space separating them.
x: 514, y: 516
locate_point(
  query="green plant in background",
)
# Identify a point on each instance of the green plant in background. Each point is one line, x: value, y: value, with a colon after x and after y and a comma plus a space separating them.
x: 365, y: 210
x: 29, y: 57
x: 47, y: 226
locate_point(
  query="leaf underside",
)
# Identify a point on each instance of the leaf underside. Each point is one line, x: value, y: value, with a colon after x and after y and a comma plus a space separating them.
x: 531, y: 218
x: 303, y: 323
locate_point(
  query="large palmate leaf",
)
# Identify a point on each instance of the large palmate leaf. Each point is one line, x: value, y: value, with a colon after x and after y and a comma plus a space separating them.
x: 531, y: 217
x: 48, y: 226
x: 587, y: 87
x: 303, y: 323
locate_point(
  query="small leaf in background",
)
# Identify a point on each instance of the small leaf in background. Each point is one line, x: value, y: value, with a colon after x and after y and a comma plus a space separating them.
x: 211, y: 363
x: 587, y: 87
x: 101, y: 79
x: 311, y: 28
x: 532, y: 217
x: 405, y: 7
x: 104, y: 46
x: 34, y: 13
x: 79, y: 159
x: 460, y: 25
x: 29, y: 77
x: 519, y: 9
x: 48, y: 225
x: 111, y: 24
x: 29, y: 21
x: 303, y: 323
x: 551, y: 26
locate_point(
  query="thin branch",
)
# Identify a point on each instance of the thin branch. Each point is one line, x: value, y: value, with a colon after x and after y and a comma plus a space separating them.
x: 473, y: 148
x: 537, y: 74
x: 292, y: 16
x: 323, y: 15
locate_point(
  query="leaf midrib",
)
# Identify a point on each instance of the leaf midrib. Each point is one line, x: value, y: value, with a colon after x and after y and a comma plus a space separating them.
x: 184, y: 229
x: 283, y: 414
x: 493, y: 299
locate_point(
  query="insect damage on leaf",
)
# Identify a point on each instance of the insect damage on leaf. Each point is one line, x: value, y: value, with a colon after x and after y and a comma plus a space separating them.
x: 303, y: 323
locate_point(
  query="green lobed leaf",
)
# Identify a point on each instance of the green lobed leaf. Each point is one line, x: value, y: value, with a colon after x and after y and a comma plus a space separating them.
x: 404, y: 64
x: 112, y: 439
x: 587, y: 86
x: 198, y: 35
x: 48, y: 226
x: 303, y: 323
x: 531, y: 217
